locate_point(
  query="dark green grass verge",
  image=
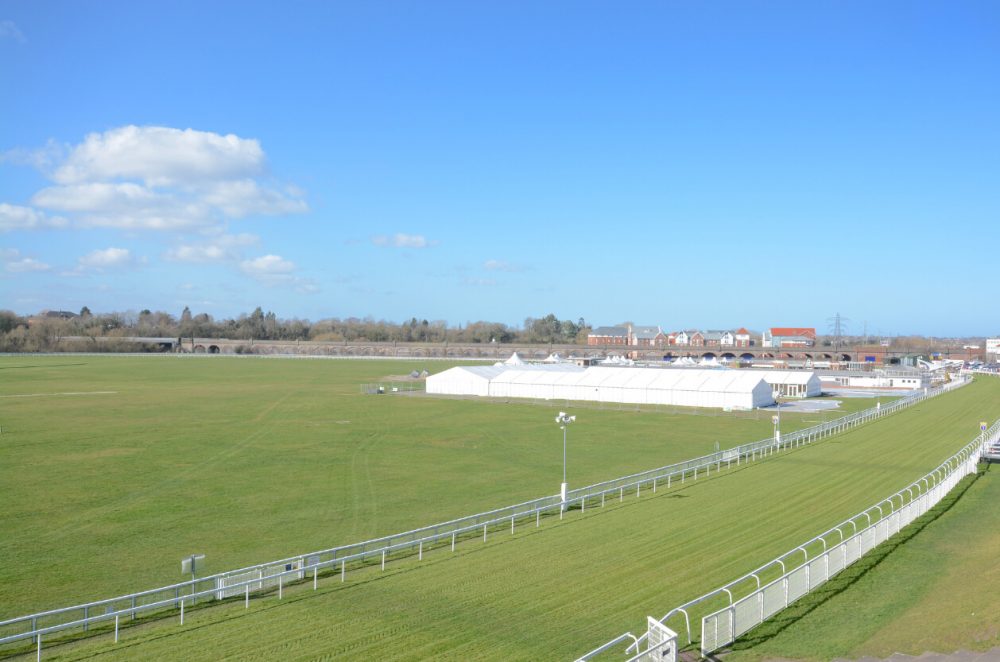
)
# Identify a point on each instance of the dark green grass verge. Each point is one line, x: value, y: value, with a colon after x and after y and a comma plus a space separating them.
x: 934, y: 587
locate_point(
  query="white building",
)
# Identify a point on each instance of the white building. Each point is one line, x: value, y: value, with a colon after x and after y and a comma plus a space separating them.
x: 724, y: 389
x: 993, y: 345
x: 794, y: 383
x: 904, y: 382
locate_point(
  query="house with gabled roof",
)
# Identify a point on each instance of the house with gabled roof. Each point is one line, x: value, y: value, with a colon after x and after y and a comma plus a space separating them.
x: 716, y: 338
x: 608, y: 335
x: 789, y: 336
x: 742, y: 338
x: 647, y: 336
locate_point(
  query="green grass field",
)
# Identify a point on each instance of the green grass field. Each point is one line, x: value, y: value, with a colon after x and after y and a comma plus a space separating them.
x: 247, y: 460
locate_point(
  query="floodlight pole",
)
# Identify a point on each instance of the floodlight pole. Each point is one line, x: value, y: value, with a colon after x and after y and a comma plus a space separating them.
x: 564, y: 420
x: 777, y: 419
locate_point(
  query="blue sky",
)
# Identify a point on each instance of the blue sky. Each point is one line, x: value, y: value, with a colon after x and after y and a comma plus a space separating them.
x: 708, y: 165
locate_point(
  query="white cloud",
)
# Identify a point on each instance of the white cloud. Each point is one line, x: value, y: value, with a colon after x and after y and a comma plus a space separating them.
x: 160, y: 156
x: 124, y: 205
x: 15, y: 217
x: 96, y: 196
x: 43, y: 159
x: 267, y: 265
x: 244, y: 197
x: 157, y: 178
x: 275, y: 271
x: 26, y: 264
x: 9, y: 31
x: 400, y: 240
x: 502, y: 265
x: 224, y: 248
x: 14, y: 262
x: 108, y: 258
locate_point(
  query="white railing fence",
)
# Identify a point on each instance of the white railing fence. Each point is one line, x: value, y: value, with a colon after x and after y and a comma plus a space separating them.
x: 743, y: 604
x: 273, y: 576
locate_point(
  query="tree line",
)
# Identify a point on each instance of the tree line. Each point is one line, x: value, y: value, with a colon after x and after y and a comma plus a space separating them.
x: 63, y: 332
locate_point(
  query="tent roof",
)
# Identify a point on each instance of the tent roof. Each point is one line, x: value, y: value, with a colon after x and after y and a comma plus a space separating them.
x: 788, y: 376
x: 514, y: 360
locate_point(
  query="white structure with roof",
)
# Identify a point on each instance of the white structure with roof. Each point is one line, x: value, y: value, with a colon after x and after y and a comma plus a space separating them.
x: 735, y: 389
x: 794, y: 383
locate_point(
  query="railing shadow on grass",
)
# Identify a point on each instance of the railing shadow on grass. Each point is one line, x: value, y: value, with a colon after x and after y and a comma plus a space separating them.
x: 850, y: 575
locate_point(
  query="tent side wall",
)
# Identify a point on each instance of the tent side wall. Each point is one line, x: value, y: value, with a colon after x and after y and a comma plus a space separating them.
x: 656, y: 386
x: 457, y: 381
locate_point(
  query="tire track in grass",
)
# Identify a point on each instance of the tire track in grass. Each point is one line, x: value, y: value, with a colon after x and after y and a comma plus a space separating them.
x: 364, y: 505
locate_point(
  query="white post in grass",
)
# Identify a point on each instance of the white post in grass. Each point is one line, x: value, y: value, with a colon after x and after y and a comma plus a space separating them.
x: 564, y: 420
x: 777, y: 419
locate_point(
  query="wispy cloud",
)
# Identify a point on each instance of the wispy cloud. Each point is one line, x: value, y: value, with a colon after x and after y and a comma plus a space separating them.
x: 106, y: 259
x: 216, y: 250
x: 8, y: 30
x: 502, y: 265
x: 276, y: 271
x: 400, y: 240
x: 479, y: 282
x: 15, y: 263
x: 43, y: 159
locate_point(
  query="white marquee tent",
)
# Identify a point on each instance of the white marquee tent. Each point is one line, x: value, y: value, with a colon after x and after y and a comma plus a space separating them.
x: 737, y: 389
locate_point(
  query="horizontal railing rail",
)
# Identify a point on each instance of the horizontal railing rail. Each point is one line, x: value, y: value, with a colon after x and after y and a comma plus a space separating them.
x: 338, y: 559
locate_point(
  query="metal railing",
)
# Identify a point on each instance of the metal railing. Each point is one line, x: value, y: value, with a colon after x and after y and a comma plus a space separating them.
x: 747, y: 602
x: 274, y: 575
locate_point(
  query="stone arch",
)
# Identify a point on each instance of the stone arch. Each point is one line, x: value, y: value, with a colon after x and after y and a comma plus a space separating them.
x: 845, y: 357
x: 199, y: 349
x: 746, y: 356
x: 708, y: 355
x: 213, y: 349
